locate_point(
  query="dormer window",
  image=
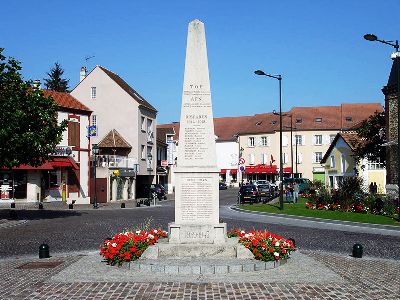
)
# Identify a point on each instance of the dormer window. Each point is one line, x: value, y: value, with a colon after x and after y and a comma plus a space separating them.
x: 258, y: 123
x: 273, y: 122
x: 349, y: 119
x: 318, y: 120
x: 299, y: 120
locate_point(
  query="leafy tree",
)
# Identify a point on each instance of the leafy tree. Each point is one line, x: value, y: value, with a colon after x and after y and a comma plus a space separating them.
x: 373, y: 134
x: 29, y: 130
x: 55, y: 82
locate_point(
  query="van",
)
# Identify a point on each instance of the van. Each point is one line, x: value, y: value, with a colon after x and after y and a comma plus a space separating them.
x: 304, y: 183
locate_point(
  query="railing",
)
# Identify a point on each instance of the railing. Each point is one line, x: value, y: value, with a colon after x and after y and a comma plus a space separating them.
x: 115, y: 161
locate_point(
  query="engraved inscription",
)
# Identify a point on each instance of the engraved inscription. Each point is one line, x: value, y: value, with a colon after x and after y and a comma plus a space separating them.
x: 197, y: 234
x: 197, y: 198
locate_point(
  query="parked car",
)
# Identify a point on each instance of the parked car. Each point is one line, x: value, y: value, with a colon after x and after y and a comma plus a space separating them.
x: 248, y: 193
x: 265, y: 192
x: 156, y: 189
x: 223, y: 185
x: 304, y: 183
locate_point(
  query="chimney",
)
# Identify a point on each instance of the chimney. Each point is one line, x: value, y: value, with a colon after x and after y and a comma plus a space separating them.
x: 82, y: 73
x: 36, y: 84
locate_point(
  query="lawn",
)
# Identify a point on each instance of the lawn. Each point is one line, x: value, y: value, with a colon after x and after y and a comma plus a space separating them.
x: 299, y: 209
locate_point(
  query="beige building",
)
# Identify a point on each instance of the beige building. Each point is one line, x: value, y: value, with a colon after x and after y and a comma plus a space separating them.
x: 123, y: 125
x: 307, y: 135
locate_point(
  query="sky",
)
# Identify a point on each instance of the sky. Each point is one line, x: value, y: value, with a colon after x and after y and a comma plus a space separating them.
x: 316, y: 45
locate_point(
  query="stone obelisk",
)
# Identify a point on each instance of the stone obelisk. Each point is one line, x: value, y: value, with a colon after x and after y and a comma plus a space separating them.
x: 197, y: 175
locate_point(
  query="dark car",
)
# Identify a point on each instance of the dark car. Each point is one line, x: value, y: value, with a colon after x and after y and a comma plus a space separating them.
x: 156, y: 189
x: 222, y: 186
x: 248, y: 193
x: 265, y: 192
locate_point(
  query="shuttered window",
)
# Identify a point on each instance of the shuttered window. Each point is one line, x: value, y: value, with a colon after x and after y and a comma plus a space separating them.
x: 73, y: 134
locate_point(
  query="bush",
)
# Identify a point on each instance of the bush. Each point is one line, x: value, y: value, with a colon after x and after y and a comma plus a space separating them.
x: 350, y: 192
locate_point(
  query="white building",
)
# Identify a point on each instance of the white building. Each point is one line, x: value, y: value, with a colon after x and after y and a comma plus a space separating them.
x: 123, y: 125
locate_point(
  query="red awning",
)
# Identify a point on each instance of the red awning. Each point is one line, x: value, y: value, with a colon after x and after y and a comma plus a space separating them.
x: 223, y: 171
x: 233, y: 171
x: 64, y: 162
x: 287, y: 170
x: 265, y: 169
x: 45, y: 166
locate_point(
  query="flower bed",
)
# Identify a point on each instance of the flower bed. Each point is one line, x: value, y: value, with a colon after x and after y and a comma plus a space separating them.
x: 264, y: 245
x: 129, y: 246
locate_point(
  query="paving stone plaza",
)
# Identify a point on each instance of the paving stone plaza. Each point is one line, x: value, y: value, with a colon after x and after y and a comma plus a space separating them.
x: 308, y: 275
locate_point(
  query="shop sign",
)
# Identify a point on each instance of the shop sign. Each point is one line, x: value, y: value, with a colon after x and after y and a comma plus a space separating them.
x: 62, y: 151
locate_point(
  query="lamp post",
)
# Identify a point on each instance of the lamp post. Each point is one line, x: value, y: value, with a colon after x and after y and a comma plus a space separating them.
x: 95, y: 151
x: 279, y: 78
x: 396, y: 56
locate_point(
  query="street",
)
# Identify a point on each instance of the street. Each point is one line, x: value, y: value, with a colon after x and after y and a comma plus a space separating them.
x: 84, y: 230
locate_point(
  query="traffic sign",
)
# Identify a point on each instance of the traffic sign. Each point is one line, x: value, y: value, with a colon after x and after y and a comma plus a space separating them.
x: 241, y: 161
x: 242, y: 168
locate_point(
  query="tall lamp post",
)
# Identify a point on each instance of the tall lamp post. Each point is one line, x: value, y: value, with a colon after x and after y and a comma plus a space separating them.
x: 279, y: 78
x: 95, y: 151
x: 396, y: 56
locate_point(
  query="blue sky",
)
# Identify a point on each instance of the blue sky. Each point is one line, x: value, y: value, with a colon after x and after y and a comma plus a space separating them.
x: 317, y: 46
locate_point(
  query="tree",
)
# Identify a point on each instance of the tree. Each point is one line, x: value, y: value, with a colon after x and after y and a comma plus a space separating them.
x: 29, y: 130
x: 373, y: 135
x: 55, y: 82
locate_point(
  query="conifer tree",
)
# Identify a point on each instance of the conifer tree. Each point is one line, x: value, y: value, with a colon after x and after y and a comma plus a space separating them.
x: 55, y: 82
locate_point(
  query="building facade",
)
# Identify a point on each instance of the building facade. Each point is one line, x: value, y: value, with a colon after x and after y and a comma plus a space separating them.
x: 123, y: 125
x: 64, y: 177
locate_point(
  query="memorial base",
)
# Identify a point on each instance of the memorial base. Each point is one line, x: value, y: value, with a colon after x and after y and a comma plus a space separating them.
x: 197, y: 233
x: 231, y: 249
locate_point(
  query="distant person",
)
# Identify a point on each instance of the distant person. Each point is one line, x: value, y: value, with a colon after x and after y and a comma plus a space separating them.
x: 296, y: 190
x: 288, y: 189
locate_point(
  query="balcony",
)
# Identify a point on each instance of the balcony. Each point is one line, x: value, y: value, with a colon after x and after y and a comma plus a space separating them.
x: 115, y: 161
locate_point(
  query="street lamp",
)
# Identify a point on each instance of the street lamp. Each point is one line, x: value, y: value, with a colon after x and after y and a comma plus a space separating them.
x: 95, y: 151
x: 279, y: 78
x: 396, y: 56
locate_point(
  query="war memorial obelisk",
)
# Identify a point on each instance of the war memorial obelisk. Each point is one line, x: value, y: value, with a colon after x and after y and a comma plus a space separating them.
x: 197, y: 175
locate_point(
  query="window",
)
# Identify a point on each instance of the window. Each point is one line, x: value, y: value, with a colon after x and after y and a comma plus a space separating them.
x: 285, y: 158
x: 150, y: 134
x: 258, y: 123
x: 332, y: 137
x: 332, y: 158
x: 274, y: 122
x: 318, y: 139
x: 349, y: 119
x: 93, y: 92
x: 143, y: 152
x: 264, y: 141
x: 251, y: 159
x: 318, y: 120
x: 264, y: 158
x: 299, y: 139
x: 317, y: 157
x: 251, y: 141
x: 73, y: 134
x: 94, y: 120
x: 342, y: 163
x: 149, y: 158
x: 299, y: 158
x: 142, y: 123
x: 375, y: 165
x: 299, y: 120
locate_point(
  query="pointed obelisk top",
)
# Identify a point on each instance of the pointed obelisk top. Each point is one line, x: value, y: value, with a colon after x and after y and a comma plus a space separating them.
x: 196, y: 138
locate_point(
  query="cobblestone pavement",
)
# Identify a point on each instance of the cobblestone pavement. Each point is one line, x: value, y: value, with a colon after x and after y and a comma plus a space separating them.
x: 366, y: 278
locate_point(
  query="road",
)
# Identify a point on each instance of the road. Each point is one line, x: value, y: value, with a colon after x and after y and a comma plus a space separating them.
x: 83, y: 230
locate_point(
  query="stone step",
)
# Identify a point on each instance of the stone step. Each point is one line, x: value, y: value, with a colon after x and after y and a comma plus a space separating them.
x: 201, y: 266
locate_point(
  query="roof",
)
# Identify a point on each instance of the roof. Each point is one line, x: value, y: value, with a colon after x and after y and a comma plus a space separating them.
x: 65, y: 100
x: 341, y: 117
x: 114, y: 140
x: 127, y: 88
x: 352, y: 139
x: 162, y: 133
x: 393, y: 77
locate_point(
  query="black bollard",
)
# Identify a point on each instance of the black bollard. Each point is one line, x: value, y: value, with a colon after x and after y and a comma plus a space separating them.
x: 122, y: 205
x: 137, y: 204
x: 13, y: 205
x: 293, y: 241
x: 40, y: 205
x: 44, y: 251
x: 357, y: 250
x: 70, y: 206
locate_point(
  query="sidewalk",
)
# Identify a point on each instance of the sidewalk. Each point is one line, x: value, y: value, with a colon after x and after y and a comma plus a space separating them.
x: 307, y: 275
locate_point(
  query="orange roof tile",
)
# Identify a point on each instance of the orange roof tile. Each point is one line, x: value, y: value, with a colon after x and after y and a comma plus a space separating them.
x: 65, y: 100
